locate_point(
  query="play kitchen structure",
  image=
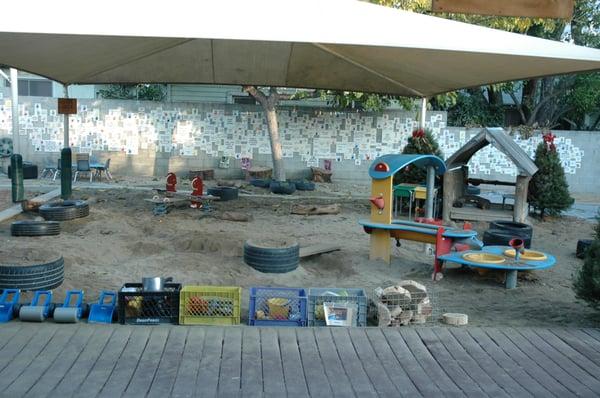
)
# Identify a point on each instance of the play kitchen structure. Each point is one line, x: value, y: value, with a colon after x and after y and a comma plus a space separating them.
x: 382, y: 227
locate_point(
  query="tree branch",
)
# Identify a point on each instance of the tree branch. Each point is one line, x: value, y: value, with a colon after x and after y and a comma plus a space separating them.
x: 257, y: 94
x: 518, y: 105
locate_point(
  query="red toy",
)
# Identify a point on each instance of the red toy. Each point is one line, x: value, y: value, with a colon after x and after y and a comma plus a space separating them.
x: 171, y: 182
x: 198, y: 190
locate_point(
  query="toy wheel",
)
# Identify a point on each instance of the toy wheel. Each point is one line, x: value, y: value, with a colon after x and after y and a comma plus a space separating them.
x: 272, y: 256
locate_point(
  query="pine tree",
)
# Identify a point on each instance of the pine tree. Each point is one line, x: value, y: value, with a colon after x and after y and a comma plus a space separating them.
x: 421, y: 142
x: 587, y: 280
x: 548, y: 189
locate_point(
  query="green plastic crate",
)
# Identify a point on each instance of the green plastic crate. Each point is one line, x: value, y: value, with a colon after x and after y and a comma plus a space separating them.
x: 209, y: 305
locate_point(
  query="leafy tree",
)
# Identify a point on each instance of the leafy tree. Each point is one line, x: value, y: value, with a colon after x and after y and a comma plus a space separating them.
x: 145, y: 92
x: 548, y: 189
x: 421, y: 142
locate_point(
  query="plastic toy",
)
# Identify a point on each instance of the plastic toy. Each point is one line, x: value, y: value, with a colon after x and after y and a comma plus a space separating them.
x: 9, y: 307
x: 38, y: 310
x: 72, y: 309
x: 103, y: 311
x: 171, y: 182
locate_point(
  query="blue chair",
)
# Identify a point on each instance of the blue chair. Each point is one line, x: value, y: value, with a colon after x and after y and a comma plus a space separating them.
x: 83, y: 166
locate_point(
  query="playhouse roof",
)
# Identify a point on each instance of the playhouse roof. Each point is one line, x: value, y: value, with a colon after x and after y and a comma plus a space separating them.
x: 501, y: 141
x: 395, y: 162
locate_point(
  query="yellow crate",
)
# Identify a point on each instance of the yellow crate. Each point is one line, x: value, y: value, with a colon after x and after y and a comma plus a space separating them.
x: 209, y: 305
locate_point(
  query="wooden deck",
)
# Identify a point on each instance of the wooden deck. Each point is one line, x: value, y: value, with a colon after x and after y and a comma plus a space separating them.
x: 40, y: 360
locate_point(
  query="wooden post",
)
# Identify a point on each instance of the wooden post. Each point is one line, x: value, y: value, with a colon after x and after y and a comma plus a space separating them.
x: 381, y: 244
x: 453, y: 181
x: 520, y: 208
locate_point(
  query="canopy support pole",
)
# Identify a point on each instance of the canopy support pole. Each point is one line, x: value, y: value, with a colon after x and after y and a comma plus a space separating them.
x: 14, y: 95
x: 429, y: 192
x: 423, y: 112
x: 66, y: 121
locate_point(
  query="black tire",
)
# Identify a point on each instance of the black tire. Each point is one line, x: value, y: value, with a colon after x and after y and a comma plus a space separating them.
x: 520, y: 229
x: 304, y: 185
x: 499, y: 237
x: 43, y: 276
x: 472, y: 190
x: 224, y: 193
x: 34, y: 228
x: 66, y: 210
x: 582, y: 246
x: 272, y: 258
x: 260, y: 183
x: 282, y: 187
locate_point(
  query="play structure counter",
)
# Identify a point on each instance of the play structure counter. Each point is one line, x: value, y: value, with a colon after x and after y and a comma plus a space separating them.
x: 426, y: 229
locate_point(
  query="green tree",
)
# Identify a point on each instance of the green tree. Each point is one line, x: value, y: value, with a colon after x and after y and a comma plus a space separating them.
x: 143, y: 92
x: 587, y: 279
x: 420, y: 142
x: 548, y: 189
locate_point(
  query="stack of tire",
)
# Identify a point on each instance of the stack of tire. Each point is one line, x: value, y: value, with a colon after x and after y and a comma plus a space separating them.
x: 52, y: 213
x: 42, y: 276
x: 501, y: 232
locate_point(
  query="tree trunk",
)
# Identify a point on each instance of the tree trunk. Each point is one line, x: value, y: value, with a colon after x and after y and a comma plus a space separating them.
x: 276, y: 152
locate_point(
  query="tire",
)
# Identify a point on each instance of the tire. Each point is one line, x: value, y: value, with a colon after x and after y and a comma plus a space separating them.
x: 304, y: 185
x: 224, y: 193
x: 268, y: 258
x: 282, y: 187
x: 34, y: 228
x: 66, y: 210
x: 43, y: 276
x: 520, y: 229
x: 472, y: 190
x: 260, y: 183
x: 582, y: 246
x: 500, y: 237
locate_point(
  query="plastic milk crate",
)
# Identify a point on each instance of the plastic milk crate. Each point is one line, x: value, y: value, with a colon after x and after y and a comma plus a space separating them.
x: 137, y: 307
x: 277, y: 306
x: 210, y: 305
x: 318, y: 296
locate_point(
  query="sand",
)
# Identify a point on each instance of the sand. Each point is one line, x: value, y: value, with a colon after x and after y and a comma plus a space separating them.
x: 122, y: 241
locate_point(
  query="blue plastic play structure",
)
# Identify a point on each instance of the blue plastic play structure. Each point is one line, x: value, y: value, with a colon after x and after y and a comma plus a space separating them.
x: 103, y: 311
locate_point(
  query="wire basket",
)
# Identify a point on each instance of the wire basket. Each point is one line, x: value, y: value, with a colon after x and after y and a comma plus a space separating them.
x: 139, y: 307
x: 408, y: 304
x: 277, y: 306
x: 210, y: 305
x: 317, y: 297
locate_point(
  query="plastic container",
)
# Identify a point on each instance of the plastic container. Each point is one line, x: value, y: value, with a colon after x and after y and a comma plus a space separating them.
x: 210, y: 305
x: 277, y: 306
x: 317, y: 296
x: 137, y: 307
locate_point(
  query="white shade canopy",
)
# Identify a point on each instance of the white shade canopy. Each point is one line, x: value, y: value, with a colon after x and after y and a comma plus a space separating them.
x: 333, y: 44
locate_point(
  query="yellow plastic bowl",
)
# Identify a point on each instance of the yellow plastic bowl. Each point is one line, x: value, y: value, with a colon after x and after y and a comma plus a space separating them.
x: 531, y: 255
x: 484, y: 258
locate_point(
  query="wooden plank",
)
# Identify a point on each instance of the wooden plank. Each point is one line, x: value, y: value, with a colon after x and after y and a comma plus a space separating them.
x: 231, y: 363
x: 474, y: 214
x: 454, y: 359
x: 318, y: 249
x: 142, y: 378
x: 542, y: 370
x: 185, y: 382
x: 208, y: 372
x: 84, y: 363
x: 106, y: 362
x: 272, y: 369
x: 17, y: 209
x: 573, y: 348
x: 33, y: 348
x: 393, y: 367
x: 429, y: 364
x: 417, y: 373
x: 127, y: 363
x: 594, y: 333
x: 508, y: 8
x: 314, y: 372
x: 62, y: 364
x: 376, y: 372
x: 291, y: 362
x: 39, y: 363
x: 579, y: 341
x: 252, y: 376
x: 18, y: 342
x: 361, y: 384
x: 8, y: 332
x: 494, y: 363
x: 168, y: 367
x: 339, y: 381
x: 565, y: 361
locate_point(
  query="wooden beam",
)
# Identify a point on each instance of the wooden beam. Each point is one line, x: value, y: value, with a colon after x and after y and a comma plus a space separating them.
x: 18, y: 209
x: 509, y: 8
x: 318, y: 249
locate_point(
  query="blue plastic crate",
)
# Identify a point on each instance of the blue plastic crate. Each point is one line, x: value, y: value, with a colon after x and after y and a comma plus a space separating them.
x: 280, y: 306
x: 317, y: 296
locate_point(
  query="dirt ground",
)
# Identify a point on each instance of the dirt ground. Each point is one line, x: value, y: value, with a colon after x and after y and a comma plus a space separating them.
x: 122, y: 241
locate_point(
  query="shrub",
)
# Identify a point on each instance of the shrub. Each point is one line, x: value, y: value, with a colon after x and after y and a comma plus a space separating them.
x: 421, y: 142
x: 587, y: 280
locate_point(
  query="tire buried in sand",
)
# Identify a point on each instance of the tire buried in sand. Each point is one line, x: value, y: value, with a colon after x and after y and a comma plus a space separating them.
x: 65, y: 210
x: 272, y: 256
x: 35, y: 274
x: 34, y: 228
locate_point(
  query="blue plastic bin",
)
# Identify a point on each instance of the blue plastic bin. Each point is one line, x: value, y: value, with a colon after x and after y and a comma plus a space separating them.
x: 280, y: 306
x: 317, y: 296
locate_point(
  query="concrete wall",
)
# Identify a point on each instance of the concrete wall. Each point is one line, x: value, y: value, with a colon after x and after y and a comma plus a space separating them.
x: 146, y: 138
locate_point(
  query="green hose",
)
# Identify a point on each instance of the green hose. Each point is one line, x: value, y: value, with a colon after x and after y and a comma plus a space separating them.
x: 65, y: 173
x: 16, y: 176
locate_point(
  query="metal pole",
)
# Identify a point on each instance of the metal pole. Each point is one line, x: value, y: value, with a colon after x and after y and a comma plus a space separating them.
x: 14, y: 93
x: 423, y: 112
x: 66, y: 122
x: 429, y: 192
